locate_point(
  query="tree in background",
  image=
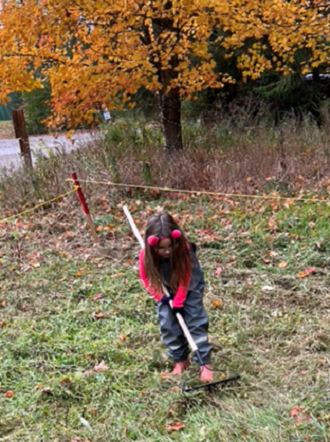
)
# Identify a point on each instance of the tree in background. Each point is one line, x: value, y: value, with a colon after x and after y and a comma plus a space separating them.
x: 102, y: 52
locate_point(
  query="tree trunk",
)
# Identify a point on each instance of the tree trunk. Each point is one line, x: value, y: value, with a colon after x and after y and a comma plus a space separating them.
x: 170, y: 106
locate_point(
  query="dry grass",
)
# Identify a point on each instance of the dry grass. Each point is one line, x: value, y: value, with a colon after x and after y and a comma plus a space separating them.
x: 6, y: 130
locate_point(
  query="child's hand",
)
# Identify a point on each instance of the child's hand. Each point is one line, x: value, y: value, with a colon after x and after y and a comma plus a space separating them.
x: 166, y: 300
x: 176, y: 310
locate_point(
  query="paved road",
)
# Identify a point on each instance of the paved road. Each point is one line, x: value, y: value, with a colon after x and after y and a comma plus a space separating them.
x: 10, y: 151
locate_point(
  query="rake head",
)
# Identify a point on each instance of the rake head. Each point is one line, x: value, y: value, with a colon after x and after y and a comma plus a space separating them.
x: 220, y: 377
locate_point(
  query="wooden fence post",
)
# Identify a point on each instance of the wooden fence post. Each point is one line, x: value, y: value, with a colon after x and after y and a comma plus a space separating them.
x: 22, y: 135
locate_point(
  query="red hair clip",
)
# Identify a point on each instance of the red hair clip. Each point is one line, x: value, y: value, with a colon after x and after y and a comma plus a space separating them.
x: 175, y: 234
x: 153, y: 240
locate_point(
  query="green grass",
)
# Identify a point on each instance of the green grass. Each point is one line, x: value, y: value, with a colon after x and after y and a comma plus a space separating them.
x: 272, y: 327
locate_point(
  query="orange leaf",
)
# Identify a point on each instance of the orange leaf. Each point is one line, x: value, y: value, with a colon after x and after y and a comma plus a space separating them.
x: 282, y: 265
x: 306, y: 272
x: 3, y: 324
x: 9, y: 393
x: 217, y: 303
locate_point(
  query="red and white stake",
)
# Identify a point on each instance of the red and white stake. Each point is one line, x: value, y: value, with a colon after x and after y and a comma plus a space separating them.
x: 85, y: 208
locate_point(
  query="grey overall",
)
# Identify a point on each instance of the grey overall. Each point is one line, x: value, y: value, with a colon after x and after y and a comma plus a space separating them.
x: 194, y: 316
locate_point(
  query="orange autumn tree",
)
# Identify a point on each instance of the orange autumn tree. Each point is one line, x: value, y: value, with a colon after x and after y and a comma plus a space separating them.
x: 102, y: 52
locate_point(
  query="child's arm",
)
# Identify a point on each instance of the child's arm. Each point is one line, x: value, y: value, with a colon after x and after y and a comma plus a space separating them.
x: 182, y: 291
x: 145, y: 280
x: 181, y: 294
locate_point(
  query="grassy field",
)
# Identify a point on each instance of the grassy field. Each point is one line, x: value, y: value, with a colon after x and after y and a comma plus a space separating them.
x: 81, y: 359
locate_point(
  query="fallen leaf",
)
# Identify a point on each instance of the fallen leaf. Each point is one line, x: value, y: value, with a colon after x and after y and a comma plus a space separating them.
x: 165, y: 375
x: 9, y: 393
x: 65, y: 381
x: 36, y: 265
x: 46, y: 390
x: 99, y: 315
x: 301, y: 416
x: 267, y: 288
x: 306, y: 272
x: 123, y: 338
x: 97, y: 296
x: 101, y: 367
x: 85, y: 423
x: 2, y: 324
x: 282, y: 264
x: 217, y: 303
x: 89, y: 373
x: 217, y: 271
x: 175, y: 427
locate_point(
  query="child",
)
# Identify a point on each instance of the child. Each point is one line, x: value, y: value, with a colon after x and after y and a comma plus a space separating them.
x: 170, y: 259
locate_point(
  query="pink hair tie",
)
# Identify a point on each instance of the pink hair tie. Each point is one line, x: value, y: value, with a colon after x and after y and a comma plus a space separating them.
x: 153, y: 240
x: 176, y: 234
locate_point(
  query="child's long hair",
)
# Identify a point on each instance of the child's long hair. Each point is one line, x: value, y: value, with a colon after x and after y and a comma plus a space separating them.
x: 162, y: 225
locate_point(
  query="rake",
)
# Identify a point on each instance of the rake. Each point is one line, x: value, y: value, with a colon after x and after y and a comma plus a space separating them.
x: 224, y: 376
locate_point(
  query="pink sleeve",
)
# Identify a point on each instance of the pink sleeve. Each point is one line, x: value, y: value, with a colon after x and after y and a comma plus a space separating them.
x: 181, y: 293
x: 145, y: 280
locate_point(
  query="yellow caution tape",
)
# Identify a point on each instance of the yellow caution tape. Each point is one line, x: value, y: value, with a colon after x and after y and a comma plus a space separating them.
x: 39, y: 205
x: 202, y: 192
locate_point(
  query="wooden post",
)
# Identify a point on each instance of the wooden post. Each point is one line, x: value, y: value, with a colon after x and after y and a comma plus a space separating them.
x: 22, y: 135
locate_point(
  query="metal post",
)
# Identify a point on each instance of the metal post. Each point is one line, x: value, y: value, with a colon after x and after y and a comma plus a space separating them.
x: 22, y: 135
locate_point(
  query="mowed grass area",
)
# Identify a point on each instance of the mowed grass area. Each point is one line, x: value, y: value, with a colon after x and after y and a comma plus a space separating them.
x: 81, y: 358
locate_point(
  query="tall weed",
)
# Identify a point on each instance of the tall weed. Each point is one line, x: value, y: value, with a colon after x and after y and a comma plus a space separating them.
x: 220, y: 157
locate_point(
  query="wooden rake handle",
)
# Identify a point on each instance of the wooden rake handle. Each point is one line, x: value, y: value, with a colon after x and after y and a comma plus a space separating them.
x: 179, y: 317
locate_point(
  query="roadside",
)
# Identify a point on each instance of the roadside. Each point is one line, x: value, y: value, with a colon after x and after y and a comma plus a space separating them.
x: 40, y: 145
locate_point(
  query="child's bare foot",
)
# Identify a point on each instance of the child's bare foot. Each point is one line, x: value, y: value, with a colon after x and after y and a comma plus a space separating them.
x: 206, y: 373
x: 180, y: 367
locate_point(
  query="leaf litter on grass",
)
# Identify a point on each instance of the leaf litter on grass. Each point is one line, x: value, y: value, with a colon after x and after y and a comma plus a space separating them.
x: 273, y: 338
